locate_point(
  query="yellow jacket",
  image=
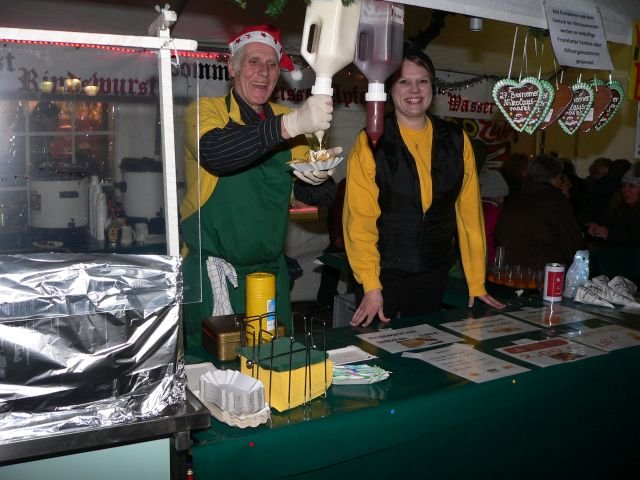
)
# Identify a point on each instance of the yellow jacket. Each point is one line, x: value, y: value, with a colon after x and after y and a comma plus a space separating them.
x: 361, y: 210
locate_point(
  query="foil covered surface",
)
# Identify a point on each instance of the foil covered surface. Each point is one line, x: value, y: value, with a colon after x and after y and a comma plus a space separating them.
x: 87, y: 341
x: 57, y: 284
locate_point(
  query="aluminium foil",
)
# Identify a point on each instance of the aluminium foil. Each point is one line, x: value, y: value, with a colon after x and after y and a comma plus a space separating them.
x: 87, y: 341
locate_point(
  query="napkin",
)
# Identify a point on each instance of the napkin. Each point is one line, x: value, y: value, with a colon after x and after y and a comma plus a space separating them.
x: 625, y: 286
x: 608, y: 293
x: 358, y: 374
x: 592, y: 294
x: 220, y: 271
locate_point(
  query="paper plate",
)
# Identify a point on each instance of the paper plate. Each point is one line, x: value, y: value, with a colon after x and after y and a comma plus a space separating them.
x: 313, y: 166
x: 244, y: 421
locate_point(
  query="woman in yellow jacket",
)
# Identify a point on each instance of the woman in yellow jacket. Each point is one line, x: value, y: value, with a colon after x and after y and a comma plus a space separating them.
x: 406, y: 200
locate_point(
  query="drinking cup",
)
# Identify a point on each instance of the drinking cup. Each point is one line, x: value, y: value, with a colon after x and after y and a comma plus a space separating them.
x: 510, y: 276
x: 127, y: 235
x: 141, y: 232
x: 499, y: 262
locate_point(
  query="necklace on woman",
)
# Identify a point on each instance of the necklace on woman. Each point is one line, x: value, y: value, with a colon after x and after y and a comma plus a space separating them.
x: 415, y: 138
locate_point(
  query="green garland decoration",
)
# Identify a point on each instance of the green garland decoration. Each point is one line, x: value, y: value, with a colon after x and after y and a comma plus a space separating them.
x: 275, y: 7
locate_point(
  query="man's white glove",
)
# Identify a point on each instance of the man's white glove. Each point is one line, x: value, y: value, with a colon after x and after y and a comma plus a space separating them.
x: 314, y: 177
x: 314, y: 115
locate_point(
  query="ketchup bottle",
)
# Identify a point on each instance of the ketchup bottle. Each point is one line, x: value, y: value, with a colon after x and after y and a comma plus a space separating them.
x: 378, y: 54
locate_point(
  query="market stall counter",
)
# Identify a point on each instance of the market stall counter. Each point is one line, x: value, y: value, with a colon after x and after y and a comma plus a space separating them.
x: 91, y: 366
x: 574, y: 419
x: 151, y: 449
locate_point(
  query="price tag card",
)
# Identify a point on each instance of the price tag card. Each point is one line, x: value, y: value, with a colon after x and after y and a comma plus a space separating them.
x: 551, y: 315
x: 552, y: 351
x: 409, y: 338
x: 489, y: 327
x: 606, y: 337
x: 467, y: 362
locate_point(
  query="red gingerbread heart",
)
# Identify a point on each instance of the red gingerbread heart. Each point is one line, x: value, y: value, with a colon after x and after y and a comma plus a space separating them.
x: 617, y: 96
x: 561, y: 101
x: 538, y: 116
x: 602, y: 98
x: 571, y: 120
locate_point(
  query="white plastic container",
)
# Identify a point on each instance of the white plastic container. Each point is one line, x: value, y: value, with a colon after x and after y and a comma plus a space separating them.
x: 329, y: 41
x: 144, y: 196
x: 59, y: 203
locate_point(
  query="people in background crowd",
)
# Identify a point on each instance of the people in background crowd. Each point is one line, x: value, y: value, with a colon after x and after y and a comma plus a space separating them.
x: 537, y: 225
x: 597, y: 208
x: 514, y: 171
x: 406, y: 200
x: 572, y: 186
x: 598, y: 169
x: 493, y: 189
x: 623, y: 223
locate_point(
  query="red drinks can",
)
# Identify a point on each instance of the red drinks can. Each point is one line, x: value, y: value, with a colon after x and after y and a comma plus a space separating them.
x: 553, y: 282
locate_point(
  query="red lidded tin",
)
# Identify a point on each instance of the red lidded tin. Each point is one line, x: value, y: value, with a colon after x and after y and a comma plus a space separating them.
x: 553, y: 282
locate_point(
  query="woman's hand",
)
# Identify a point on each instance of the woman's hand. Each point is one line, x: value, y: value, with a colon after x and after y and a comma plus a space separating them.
x: 488, y: 299
x: 370, y: 306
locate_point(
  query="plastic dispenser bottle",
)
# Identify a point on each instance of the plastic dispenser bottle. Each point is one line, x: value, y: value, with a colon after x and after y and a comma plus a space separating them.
x: 329, y: 41
x: 378, y: 54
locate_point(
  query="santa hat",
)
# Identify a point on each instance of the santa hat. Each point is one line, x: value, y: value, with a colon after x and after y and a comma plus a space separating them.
x: 268, y: 35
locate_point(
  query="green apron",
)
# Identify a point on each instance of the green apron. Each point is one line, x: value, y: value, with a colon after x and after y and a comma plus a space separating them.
x: 245, y: 223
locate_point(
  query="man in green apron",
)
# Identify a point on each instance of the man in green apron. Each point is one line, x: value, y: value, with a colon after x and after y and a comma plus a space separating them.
x: 235, y: 212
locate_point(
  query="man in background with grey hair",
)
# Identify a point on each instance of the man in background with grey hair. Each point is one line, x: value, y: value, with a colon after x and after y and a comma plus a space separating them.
x: 538, y: 224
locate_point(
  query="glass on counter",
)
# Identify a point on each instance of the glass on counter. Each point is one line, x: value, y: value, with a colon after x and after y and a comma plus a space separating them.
x: 512, y: 275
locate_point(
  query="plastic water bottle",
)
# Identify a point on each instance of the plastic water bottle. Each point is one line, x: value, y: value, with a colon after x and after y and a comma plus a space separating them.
x: 578, y: 273
x: 378, y: 54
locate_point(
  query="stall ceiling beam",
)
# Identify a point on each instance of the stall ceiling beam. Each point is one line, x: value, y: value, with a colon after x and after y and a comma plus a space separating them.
x: 616, y: 14
x: 131, y: 41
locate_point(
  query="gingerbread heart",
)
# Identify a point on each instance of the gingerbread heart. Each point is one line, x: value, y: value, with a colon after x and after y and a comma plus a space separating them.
x: 602, y: 98
x: 518, y: 100
x: 548, y: 93
x: 561, y: 101
x: 617, y: 96
x: 576, y: 113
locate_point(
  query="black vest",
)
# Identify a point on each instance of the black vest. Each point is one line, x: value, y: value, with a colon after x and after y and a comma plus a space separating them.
x: 410, y: 240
